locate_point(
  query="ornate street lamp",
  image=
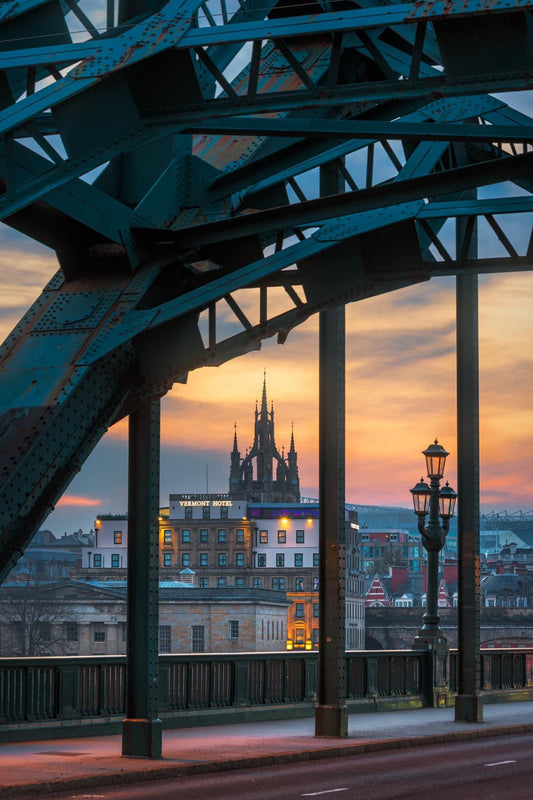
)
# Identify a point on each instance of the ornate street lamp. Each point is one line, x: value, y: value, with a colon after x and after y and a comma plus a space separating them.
x: 430, y: 499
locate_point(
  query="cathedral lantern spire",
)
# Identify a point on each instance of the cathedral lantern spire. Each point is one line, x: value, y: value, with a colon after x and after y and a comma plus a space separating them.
x: 276, y: 475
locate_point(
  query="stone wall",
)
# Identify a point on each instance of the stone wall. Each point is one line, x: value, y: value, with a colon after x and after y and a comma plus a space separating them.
x: 395, y: 628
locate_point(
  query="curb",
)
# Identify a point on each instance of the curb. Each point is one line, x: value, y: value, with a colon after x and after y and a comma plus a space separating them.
x: 202, y: 768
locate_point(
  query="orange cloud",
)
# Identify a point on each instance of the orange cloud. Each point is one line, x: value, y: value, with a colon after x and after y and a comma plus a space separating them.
x: 78, y: 500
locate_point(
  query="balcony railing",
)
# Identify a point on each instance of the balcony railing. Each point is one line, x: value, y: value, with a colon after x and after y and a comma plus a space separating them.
x: 40, y: 695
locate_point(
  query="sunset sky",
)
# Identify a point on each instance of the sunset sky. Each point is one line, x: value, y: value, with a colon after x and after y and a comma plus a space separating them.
x: 400, y: 394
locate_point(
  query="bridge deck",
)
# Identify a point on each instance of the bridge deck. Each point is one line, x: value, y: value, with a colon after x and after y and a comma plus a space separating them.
x: 95, y: 761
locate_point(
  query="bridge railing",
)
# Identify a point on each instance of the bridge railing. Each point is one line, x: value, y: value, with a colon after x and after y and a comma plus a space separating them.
x: 42, y: 694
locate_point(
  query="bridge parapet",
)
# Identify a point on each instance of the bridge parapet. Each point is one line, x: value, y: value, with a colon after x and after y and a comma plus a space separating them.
x: 43, y: 697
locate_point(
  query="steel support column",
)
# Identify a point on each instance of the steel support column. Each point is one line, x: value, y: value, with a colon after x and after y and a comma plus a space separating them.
x: 331, y: 717
x: 468, y: 703
x: 141, y: 730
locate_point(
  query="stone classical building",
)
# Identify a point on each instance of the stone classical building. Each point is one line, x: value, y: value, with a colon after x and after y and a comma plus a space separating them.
x: 89, y: 618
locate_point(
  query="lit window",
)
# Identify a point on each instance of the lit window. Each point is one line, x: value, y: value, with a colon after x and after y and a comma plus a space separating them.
x: 117, y: 537
x: 263, y: 537
x: 300, y: 537
x: 233, y: 628
x: 167, y: 537
x: 299, y: 584
x: 282, y: 537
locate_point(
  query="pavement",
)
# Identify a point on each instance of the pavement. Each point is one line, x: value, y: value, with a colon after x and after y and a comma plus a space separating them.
x: 28, y: 769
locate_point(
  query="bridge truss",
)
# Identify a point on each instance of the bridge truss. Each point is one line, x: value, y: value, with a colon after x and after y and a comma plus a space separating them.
x: 169, y: 153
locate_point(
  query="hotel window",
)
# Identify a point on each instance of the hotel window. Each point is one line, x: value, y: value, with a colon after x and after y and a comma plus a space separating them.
x: 167, y: 537
x: 188, y: 512
x: 117, y: 537
x: 299, y: 584
x: 198, y: 638
x: 298, y: 559
x: 280, y: 559
x: 263, y: 537
x: 204, y: 559
x: 300, y: 537
x: 240, y: 535
x: 223, y: 513
x: 97, y: 560
x: 282, y: 537
x: 206, y: 512
x: 278, y: 584
x: 261, y: 560
x: 315, y: 610
x: 115, y: 560
x: 204, y: 535
x: 299, y: 611
x: 222, y: 535
x: 204, y: 583
x: 164, y: 639
x: 185, y: 559
x: 186, y: 535
x: 167, y: 559
x: 239, y: 559
x: 222, y: 583
x: 315, y: 637
x: 239, y: 582
x: 315, y: 560
x: 257, y: 583
x: 222, y: 559
x: 233, y: 628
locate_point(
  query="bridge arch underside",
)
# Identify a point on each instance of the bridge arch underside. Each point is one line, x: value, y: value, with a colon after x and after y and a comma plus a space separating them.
x: 171, y: 161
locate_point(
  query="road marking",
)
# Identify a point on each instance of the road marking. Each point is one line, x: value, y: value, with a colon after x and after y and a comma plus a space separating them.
x: 326, y: 791
x: 498, y: 763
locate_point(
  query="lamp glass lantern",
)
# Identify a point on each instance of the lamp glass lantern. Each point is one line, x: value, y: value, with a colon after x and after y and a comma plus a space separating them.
x: 435, y: 460
x: 421, y: 497
x: 447, y: 499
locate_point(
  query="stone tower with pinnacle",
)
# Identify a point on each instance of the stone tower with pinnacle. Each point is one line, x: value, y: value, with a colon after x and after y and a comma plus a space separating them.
x: 264, y: 475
